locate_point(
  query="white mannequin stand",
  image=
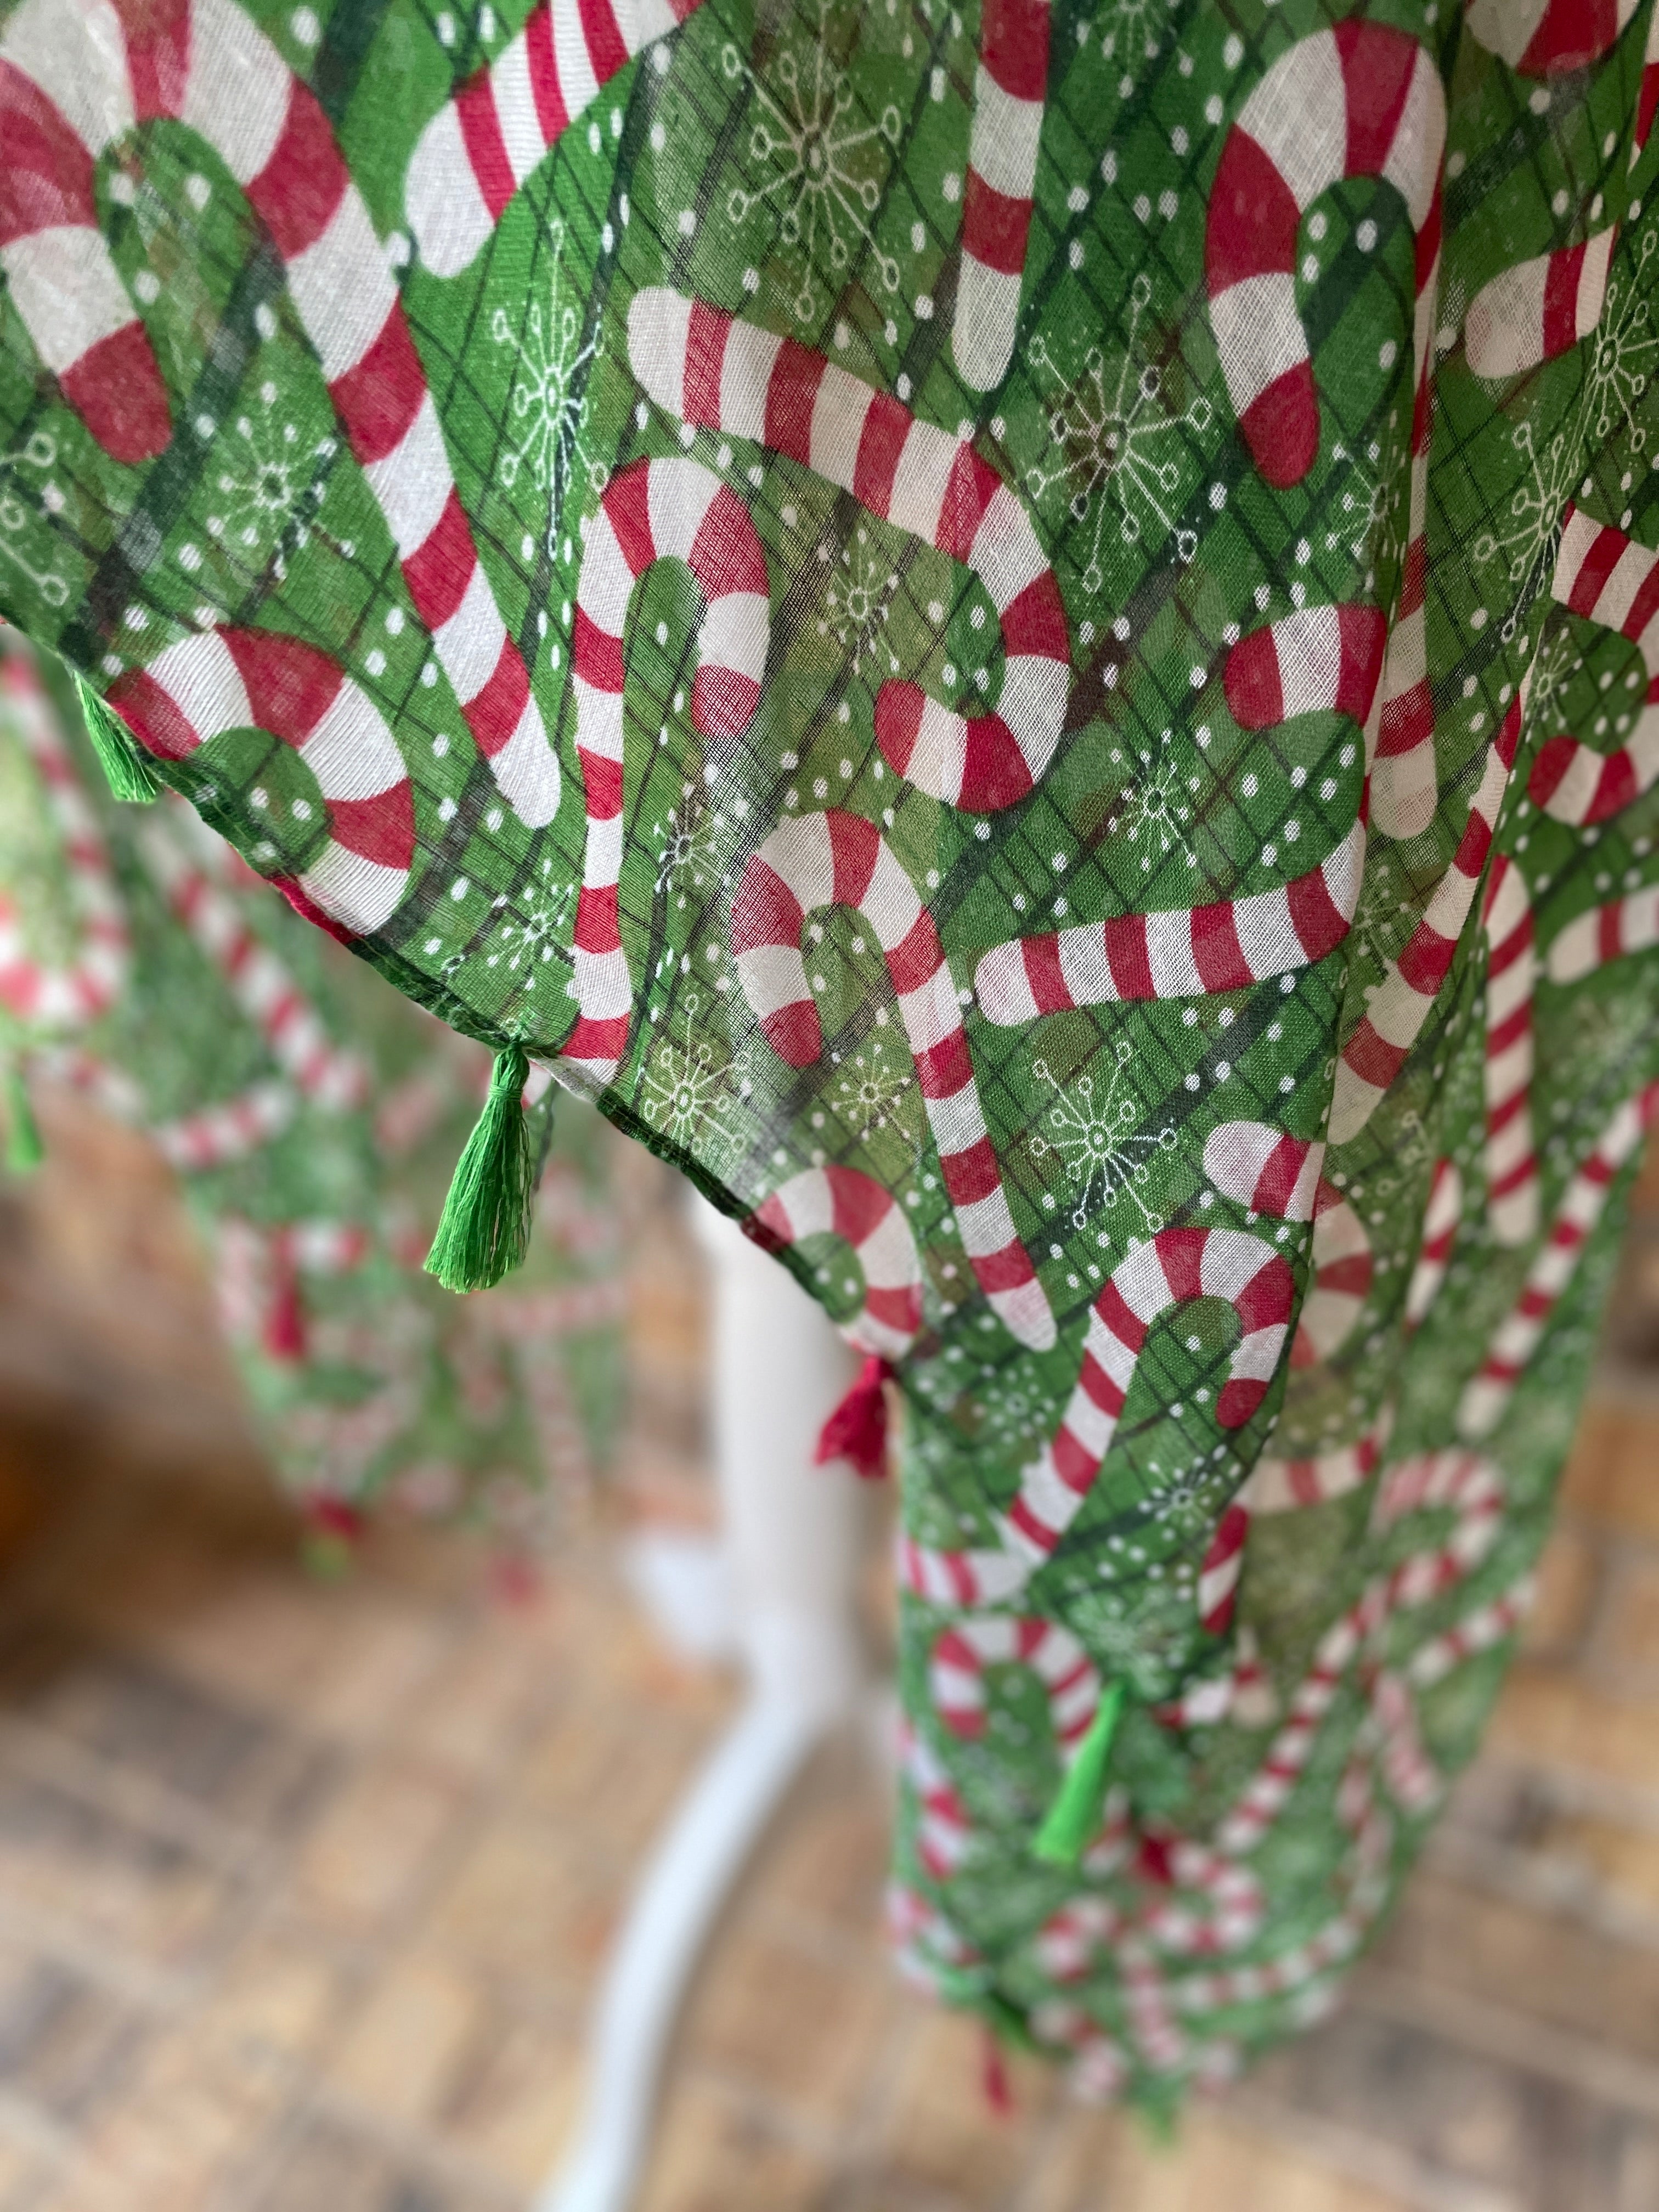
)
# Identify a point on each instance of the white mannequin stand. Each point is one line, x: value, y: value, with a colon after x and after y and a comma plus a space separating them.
x: 790, y: 1535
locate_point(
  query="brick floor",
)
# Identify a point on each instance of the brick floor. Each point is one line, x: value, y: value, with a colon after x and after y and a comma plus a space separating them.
x: 303, y: 1888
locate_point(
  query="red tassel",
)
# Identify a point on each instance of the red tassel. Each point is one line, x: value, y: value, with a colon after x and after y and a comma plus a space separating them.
x: 857, y: 1430
x: 285, y: 1317
x: 331, y: 1516
x: 994, y: 2072
x: 1154, y: 1862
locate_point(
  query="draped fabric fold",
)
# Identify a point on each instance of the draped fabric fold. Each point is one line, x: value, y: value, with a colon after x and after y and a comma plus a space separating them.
x: 1027, y: 637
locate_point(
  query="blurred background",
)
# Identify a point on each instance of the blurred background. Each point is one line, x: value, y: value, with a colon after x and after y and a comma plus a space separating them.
x: 315, y: 1826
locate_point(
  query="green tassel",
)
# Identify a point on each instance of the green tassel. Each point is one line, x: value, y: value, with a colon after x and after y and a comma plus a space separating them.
x: 485, y: 1229
x: 24, y: 1150
x: 127, y: 771
x: 1072, y: 1819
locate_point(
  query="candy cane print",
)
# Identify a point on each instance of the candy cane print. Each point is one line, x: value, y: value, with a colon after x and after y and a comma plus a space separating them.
x: 46, y: 993
x: 1010, y: 87
x: 1647, y: 101
x: 273, y: 137
x: 229, y: 1131
x: 844, y: 1202
x: 206, y: 685
x: 1170, y: 1269
x: 1394, y: 1019
x: 838, y: 859
x: 1440, y: 1219
x: 487, y: 140
x: 1533, y: 311
x: 1360, y: 100
x: 1511, y: 1165
x: 86, y: 332
x: 1547, y: 38
x: 1605, y: 933
x: 1183, y: 952
x: 1473, y: 1488
x: 1606, y: 578
x: 1315, y: 660
x: 1286, y: 1486
x: 944, y: 1831
x: 258, y: 981
x: 1262, y: 1169
x: 962, y: 1654
x: 653, y: 511
x: 722, y: 374
x: 1486, y: 1398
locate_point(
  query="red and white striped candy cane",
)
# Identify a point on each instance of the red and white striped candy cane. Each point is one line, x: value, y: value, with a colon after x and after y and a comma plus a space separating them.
x: 1511, y: 978
x: 1361, y: 100
x: 1379, y: 1048
x: 1286, y: 1486
x: 207, y: 64
x: 834, y: 858
x: 208, y: 683
x: 1473, y: 1490
x: 1404, y: 790
x: 1605, y: 933
x: 653, y: 511
x: 229, y: 1131
x: 1170, y: 1269
x: 1533, y: 311
x: 1386, y: 117
x: 1547, y: 38
x: 1259, y: 1167
x: 845, y: 1202
x: 86, y: 332
x: 48, y: 995
x: 962, y: 1654
x: 1647, y: 101
x: 924, y: 1940
x: 1608, y: 578
x: 1486, y: 1398
x: 1441, y: 1220
x: 717, y: 371
x: 1185, y: 952
x: 487, y: 140
x: 943, y: 1831
x: 1010, y: 88
x: 1317, y: 660
x: 257, y: 980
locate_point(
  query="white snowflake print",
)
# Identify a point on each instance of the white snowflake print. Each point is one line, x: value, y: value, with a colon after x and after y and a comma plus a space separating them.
x: 1103, y: 1153
x: 1118, y: 444
x: 695, y: 844
x: 1130, y: 31
x: 1190, y: 1499
x: 828, y: 169
x: 869, y: 1089
x: 1011, y: 1418
x: 690, y: 1092
x: 534, y: 933
x: 37, y: 450
x: 1153, y: 810
x: 549, y: 391
x: 1621, y: 359
x: 1144, y: 1640
x: 268, y: 479
x: 857, y: 600
x: 1557, y: 662
x: 1524, y: 542
x: 1366, y: 522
